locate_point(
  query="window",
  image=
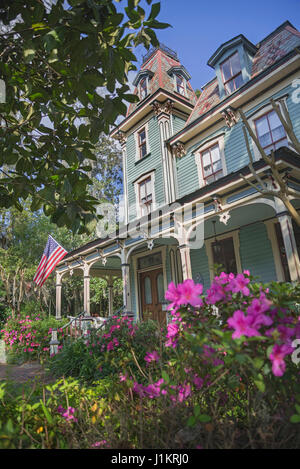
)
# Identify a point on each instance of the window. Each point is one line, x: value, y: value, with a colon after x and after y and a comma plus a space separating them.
x: 143, y: 88
x: 211, y: 164
x: 142, y: 143
x: 232, y: 73
x: 145, y: 196
x: 224, y: 254
x: 270, y: 132
x: 180, y: 86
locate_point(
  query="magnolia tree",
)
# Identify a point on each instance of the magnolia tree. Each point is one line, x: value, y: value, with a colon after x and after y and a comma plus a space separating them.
x: 64, y: 66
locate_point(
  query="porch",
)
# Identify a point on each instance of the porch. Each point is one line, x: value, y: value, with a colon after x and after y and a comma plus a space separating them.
x: 241, y: 231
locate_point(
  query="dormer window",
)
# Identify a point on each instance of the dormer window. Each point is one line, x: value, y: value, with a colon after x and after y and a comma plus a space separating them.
x: 143, y: 88
x: 232, y: 73
x: 180, y: 85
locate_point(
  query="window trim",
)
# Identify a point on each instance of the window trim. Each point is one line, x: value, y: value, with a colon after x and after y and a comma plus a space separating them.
x: 143, y: 79
x: 270, y: 130
x: 227, y: 93
x: 263, y: 110
x: 145, y: 181
x: 202, y: 148
x: 177, y: 74
x: 144, y: 177
x: 137, y: 142
x: 236, y: 245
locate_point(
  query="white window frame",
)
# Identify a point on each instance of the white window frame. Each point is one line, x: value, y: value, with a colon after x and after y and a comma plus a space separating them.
x: 203, y: 147
x: 140, y: 88
x: 184, y: 84
x: 260, y: 112
x: 136, y: 138
x: 137, y: 192
x: 235, y: 235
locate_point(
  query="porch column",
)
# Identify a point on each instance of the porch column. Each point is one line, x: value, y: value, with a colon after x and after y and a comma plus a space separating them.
x: 185, y: 261
x: 290, y: 245
x: 86, y: 290
x: 110, y: 299
x: 58, y: 296
x: 126, y: 286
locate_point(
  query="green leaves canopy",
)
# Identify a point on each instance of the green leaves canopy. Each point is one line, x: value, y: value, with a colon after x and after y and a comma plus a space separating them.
x: 65, y: 70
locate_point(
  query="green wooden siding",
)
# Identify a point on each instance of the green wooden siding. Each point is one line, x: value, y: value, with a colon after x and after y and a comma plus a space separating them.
x: 152, y: 161
x: 256, y: 252
x: 200, y: 268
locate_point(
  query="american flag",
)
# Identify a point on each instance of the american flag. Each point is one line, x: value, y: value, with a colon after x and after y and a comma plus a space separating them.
x: 52, y: 254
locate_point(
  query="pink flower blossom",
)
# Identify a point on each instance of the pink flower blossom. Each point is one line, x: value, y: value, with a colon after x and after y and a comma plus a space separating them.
x: 277, y: 357
x: 152, y: 357
x: 242, y: 325
x: 190, y: 293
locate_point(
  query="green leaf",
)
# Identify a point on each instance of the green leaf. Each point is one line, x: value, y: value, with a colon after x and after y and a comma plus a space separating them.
x: 295, y: 418
x: 165, y: 377
x: 46, y: 412
x: 204, y: 418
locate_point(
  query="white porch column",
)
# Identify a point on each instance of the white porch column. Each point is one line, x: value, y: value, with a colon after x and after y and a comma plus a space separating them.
x: 86, y: 290
x: 185, y: 261
x: 58, y: 296
x: 290, y: 246
x: 289, y: 240
x: 110, y: 299
x: 126, y: 286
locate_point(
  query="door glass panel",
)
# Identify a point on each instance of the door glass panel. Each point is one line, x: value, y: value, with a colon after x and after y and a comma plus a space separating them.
x: 148, y: 291
x: 160, y: 288
x: 223, y: 254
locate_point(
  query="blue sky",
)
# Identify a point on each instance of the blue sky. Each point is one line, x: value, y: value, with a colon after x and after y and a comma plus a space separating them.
x: 200, y: 27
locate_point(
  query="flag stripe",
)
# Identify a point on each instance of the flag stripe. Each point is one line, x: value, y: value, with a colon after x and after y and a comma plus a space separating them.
x: 52, y: 255
x: 53, y: 267
x: 49, y: 262
x: 52, y: 261
x: 40, y: 267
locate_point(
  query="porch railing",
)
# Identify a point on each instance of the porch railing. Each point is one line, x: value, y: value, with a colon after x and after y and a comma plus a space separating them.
x: 79, y: 326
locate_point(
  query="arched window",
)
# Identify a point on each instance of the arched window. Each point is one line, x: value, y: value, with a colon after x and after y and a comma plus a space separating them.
x: 148, y: 291
x: 160, y: 288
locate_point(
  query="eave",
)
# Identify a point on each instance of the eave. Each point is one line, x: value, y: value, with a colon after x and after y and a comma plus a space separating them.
x: 144, y: 108
x: 269, y: 77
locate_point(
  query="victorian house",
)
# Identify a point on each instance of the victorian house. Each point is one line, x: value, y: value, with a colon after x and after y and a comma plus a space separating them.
x: 187, y: 203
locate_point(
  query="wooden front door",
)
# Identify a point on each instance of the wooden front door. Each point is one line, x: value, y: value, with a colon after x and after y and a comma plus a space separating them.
x: 153, y: 293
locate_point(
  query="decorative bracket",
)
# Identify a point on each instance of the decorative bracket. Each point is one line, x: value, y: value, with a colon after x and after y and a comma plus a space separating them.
x: 166, y: 107
x: 230, y: 116
x: 224, y: 217
x: 121, y: 137
x: 217, y: 203
x: 179, y: 149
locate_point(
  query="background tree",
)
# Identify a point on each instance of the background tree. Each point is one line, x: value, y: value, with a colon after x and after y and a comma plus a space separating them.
x: 65, y: 67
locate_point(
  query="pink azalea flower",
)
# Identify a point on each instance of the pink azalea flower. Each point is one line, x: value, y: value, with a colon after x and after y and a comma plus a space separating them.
x: 239, y: 284
x: 190, y: 293
x: 172, y: 295
x: 152, y: 357
x: 242, y: 325
x: 277, y: 357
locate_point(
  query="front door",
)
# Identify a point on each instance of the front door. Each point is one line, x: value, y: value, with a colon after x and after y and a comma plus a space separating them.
x: 152, y: 294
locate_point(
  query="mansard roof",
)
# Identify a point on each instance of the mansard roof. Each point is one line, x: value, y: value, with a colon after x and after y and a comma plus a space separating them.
x: 159, y: 64
x: 269, y: 51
